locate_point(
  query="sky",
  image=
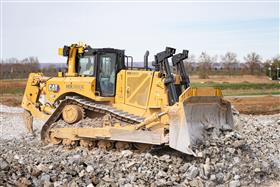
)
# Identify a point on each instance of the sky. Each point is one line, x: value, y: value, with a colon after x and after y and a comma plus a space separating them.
x: 40, y: 28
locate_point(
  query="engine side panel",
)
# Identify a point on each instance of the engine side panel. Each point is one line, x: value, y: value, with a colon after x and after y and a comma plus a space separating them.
x: 84, y: 86
x: 138, y: 86
x: 140, y: 92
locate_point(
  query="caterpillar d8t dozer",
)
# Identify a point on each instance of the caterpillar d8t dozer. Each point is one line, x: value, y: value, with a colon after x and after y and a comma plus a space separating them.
x: 102, y: 100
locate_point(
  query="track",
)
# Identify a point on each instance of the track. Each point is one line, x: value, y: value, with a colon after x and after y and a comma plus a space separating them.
x: 88, y: 105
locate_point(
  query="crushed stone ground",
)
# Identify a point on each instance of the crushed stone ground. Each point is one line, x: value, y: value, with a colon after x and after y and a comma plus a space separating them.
x: 247, y: 156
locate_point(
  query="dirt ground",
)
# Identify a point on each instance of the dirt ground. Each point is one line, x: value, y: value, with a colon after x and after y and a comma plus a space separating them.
x: 232, y: 79
x: 4, y: 84
x: 12, y: 91
x: 11, y: 99
x: 256, y: 104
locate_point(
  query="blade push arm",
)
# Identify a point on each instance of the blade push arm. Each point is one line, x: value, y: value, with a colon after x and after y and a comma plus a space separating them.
x: 177, y: 60
x: 161, y: 64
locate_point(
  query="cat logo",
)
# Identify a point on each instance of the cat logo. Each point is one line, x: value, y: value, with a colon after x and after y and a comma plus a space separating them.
x: 53, y: 87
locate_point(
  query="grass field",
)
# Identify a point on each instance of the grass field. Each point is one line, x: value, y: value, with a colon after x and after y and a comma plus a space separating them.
x: 232, y: 79
x: 12, y: 86
x: 231, y: 85
x: 244, y: 88
x: 239, y: 85
x: 12, y: 90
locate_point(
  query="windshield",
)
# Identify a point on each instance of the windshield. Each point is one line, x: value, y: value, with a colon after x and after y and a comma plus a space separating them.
x: 86, y: 65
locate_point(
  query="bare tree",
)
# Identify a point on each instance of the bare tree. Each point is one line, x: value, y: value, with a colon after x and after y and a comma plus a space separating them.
x: 188, y: 63
x: 190, y: 59
x: 253, y: 60
x: 205, y: 61
x: 229, y: 60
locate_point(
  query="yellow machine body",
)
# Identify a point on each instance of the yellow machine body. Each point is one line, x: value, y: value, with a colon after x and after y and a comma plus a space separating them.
x: 137, y: 92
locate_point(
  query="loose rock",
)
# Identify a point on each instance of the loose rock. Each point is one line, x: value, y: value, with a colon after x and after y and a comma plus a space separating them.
x: 247, y: 155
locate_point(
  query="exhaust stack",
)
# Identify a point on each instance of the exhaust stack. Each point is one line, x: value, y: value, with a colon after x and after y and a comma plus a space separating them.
x: 146, y: 63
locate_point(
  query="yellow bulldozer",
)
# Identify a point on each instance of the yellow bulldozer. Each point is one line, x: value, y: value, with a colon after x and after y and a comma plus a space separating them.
x: 102, y: 100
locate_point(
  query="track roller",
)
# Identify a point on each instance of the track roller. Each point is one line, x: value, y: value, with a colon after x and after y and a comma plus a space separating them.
x: 105, y: 145
x: 69, y: 144
x: 89, y: 144
x: 142, y: 147
x: 122, y: 146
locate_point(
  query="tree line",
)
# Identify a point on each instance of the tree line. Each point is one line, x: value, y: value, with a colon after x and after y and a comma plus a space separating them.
x: 203, y: 66
x: 253, y: 64
x: 13, y: 68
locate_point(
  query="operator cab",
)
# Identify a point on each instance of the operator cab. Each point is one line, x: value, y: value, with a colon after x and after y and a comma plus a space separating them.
x: 104, y: 64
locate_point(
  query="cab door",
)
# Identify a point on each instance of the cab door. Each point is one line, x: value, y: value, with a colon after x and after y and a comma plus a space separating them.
x: 106, y: 77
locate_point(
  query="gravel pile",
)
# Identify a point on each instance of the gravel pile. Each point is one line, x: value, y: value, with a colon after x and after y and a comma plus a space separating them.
x: 247, y: 156
x: 11, y: 123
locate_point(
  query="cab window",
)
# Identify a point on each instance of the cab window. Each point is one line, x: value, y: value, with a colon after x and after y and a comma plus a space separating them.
x: 107, y: 73
x: 86, y: 65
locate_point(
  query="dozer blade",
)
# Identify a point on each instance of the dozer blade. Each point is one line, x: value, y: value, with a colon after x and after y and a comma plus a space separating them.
x: 190, y: 119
